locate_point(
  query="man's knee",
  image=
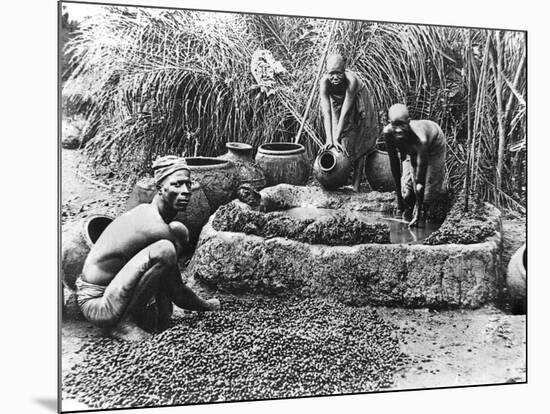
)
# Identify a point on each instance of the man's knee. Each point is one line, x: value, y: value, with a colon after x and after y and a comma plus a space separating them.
x: 164, y: 251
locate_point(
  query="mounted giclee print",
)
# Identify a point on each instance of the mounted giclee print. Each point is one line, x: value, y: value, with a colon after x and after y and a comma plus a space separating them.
x: 261, y: 207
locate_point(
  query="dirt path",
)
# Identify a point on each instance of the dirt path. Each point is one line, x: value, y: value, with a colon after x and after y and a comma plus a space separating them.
x: 458, y: 348
x: 82, y: 192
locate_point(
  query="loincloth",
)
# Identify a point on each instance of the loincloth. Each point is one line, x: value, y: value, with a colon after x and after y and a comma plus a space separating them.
x: 96, y: 307
x: 87, y: 291
x: 105, y: 310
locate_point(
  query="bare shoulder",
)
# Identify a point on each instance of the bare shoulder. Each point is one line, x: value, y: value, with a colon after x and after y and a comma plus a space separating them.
x: 425, y: 129
x: 143, y: 221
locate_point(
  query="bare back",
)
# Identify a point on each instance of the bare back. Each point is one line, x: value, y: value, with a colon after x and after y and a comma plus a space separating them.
x: 426, y: 135
x: 122, y: 240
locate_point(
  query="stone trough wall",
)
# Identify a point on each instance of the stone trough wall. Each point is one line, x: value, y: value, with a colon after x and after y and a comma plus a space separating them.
x: 412, y: 275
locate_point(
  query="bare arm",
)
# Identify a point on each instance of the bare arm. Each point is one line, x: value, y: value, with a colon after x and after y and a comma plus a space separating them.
x: 420, y: 167
x: 351, y: 91
x: 326, y: 111
x: 395, y: 165
x: 180, y: 236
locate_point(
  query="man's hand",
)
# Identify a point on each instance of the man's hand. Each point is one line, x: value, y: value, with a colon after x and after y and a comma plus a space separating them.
x: 416, y: 217
x: 339, y: 147
x: 214, y: 304
x: 326, y: 147
x: 400, y: 205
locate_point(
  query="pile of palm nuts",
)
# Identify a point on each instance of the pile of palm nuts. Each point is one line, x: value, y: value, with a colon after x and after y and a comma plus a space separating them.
x: 254, y: 348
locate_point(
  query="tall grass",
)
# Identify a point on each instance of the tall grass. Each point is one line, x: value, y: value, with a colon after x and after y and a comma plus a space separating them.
x: 180, y: 82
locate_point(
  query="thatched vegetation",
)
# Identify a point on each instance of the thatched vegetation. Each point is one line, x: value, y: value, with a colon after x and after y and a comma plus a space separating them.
x: 158, y: 82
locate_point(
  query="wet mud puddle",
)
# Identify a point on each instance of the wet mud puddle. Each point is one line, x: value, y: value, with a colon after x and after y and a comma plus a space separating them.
x: 399, y: 228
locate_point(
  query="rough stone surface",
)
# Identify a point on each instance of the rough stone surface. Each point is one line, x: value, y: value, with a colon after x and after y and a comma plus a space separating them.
x: 462, y: 227
x: 334, y: 230
x: 454, y: 275
x: 70, y: 135
x: 286, y: 196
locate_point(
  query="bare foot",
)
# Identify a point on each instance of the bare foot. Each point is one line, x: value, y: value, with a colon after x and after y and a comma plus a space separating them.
x: 214, y: 304
x: 349, y: 188
x: 129, y: 331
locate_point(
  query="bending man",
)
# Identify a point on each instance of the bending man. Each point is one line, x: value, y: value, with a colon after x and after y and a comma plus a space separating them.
x: 349, y: 118
x: 131, y: 277
x: 424, y: 169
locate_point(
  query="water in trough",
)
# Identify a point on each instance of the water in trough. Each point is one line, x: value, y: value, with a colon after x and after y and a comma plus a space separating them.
x: 399, y: 229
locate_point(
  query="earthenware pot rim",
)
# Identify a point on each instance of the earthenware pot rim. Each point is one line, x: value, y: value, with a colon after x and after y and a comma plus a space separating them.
x: 293, y: 148
x: 86, y: 224
x: 216, y: 163
x: 238, y: 146
x: 320, y: 156
x: 379, y: 151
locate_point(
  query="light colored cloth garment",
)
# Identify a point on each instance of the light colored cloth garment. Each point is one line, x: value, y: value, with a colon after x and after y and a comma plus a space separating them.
x: 164, y: 166
x: 89, y: 296
x: 435, y: 173
x: 361, y: 127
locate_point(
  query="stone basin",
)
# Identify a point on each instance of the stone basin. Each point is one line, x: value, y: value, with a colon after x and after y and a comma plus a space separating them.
x: 398, y: 274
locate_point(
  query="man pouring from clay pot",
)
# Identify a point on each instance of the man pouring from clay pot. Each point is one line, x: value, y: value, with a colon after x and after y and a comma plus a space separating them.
x: 419, y: 146
x: 349, y: 119
x: 131, y: 277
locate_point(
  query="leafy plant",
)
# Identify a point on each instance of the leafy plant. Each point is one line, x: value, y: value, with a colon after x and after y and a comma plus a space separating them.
x: 179, y: 81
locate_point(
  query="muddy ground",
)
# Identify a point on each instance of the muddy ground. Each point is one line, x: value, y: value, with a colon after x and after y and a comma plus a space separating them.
x: 448, y: 348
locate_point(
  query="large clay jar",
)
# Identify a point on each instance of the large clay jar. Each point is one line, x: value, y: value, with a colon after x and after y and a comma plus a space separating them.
x: 284, y: 162
x: 378, y: 170
x: 195, y: 215
x: 217, y: 178
x: 77, y: 239
x: 516, y: 280
x: 332, y: 168
x: 246, y: 170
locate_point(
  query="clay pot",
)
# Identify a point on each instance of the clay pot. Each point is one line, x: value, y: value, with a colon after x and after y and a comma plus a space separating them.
x: 217, y: 178
x: 195, y: 215
x: 77, y: 240
x: 332, y: 168
x: 378, y: 170
x: 516, y: 279
x: 246, y: 170
x: 283, y: 162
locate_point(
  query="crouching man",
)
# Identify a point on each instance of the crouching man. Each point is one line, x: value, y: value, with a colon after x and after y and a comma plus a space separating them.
x: 131, y: 277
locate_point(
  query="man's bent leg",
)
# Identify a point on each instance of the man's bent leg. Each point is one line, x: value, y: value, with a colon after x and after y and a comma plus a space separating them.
x: 131, y: 288
x: 162, y: 257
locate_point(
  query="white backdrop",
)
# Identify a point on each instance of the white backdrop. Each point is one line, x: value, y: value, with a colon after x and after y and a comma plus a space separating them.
x: 29, y: 204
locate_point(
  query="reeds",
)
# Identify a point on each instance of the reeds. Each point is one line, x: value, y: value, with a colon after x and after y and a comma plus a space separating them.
x: 175, y: 81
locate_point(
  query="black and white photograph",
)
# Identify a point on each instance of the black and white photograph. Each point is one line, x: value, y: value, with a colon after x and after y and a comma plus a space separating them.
x: 258, y: 206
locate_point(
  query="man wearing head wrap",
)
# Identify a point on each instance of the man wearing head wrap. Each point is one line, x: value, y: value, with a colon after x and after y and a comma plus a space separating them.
x: 349, y: 118
x: 419, y: 146
x: 131, y: 278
